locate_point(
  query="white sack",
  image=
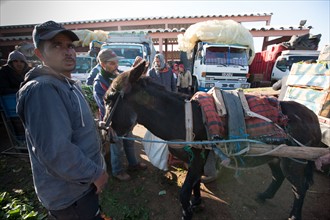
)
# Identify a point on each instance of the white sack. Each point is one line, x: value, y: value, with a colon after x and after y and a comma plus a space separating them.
x: 156, y: 152
x: 216, y: 31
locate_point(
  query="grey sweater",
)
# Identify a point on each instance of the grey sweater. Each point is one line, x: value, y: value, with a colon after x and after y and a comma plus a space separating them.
x: 62, y: 138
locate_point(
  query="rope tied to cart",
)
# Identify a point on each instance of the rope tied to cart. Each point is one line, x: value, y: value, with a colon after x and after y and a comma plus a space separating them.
x: 207, y: 144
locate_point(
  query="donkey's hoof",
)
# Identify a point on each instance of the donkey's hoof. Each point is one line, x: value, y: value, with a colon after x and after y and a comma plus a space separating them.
x: 261, y: 198
x: 197, y: 205
x: 187, y: 214
x: 293, y: 218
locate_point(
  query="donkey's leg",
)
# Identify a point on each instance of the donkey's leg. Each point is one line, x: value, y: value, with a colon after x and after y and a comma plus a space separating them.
x: 277, y: 180
x: 191, y: 183
x: 185, y: 195
x: 301, y: 177
x: 196, y: 201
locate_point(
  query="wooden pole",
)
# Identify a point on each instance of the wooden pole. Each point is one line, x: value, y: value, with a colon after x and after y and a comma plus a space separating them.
x: 308, y: 153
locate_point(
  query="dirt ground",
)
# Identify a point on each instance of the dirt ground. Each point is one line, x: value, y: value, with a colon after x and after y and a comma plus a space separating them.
x: 154, y: 197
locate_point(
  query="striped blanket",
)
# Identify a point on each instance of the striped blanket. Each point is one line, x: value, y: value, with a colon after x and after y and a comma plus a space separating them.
x: 256, y: 128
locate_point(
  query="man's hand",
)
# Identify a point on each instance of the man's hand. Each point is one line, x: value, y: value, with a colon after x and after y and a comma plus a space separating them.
x: 139, y: 59
x: 101, y: 182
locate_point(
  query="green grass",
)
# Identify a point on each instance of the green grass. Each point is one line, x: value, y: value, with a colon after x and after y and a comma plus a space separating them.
x: 19, y: 206
x: 124, y: 204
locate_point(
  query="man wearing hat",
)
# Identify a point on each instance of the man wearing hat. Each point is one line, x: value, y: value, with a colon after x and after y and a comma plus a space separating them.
x: 184, y: 81
x: 13, y: 72
x: 65, y: 151
x: 108, y: 61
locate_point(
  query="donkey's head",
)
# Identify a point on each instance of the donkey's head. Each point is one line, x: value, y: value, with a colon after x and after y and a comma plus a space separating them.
x: 119, y: 112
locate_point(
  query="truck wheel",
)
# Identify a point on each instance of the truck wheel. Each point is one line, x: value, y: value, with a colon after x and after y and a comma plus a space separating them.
x: 273, y: 81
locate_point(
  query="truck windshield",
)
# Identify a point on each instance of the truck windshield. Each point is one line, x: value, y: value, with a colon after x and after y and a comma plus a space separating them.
x: 284, y: 64
x: 225, y: 56
x: 127, y: 51
x: 84, y: 64
x: 238, y: 56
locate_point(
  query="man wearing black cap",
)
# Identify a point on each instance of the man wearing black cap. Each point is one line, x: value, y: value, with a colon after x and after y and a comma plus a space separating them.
x: 67, y: 164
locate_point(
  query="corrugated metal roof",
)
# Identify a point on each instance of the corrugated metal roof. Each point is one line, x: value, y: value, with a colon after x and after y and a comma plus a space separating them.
x: 140, y: 18
x: 181, y: 30
x: 14, y: 38
x: 263, y: 28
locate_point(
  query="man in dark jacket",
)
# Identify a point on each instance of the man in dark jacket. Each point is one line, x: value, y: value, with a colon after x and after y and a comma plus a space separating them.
x: 65, y: 150
x: 108, y: 60
x: 12, y: 73
x: 162, y: 74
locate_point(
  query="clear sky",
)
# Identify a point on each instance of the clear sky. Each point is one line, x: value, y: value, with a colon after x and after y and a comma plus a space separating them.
x: 285, y: 13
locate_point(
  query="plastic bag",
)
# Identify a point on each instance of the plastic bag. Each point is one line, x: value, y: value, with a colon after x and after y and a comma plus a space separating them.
x: 156, y: 152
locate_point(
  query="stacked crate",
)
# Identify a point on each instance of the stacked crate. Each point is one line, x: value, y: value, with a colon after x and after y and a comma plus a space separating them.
x: 309, y: 84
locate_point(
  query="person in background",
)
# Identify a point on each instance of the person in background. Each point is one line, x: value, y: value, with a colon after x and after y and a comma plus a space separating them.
x: 12, y: 73
x: 184, y: 80
x: 161, y: 73
x: 175, y: 70
x: 108, y: 61
x: 92, y: 74
x: 68, y: 167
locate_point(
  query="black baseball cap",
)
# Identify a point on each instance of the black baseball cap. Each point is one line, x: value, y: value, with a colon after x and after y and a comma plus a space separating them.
x: 48, y: 30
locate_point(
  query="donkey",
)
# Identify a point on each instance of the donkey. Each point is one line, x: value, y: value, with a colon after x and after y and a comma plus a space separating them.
x: 134, y: 98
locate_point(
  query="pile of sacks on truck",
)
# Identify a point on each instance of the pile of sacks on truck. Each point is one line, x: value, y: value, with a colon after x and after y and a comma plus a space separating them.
x: 309, y: 84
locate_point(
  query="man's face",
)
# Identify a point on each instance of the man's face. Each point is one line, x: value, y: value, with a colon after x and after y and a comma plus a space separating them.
x: 18, y: 65
x: 59, y: 54
x: 157, y: 63
x: 110, y: 66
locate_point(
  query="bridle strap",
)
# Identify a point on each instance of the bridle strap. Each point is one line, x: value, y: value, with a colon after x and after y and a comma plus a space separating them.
x: 188, y: 121
x: 107, y: 122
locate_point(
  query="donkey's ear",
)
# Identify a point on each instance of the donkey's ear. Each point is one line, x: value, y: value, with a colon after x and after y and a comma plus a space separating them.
x: 137, y: 71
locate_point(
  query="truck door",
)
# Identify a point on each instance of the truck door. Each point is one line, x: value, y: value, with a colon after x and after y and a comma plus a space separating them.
x: 198, y: 61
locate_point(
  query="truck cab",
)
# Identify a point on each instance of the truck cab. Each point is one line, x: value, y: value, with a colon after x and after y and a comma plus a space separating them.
x: 127, y: 45
x: 220, y: 65
x: 84, y: 64
x: 285, y: 61
x: 129, y: 51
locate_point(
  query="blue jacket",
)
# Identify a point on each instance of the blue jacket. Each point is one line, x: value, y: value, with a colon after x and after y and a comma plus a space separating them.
x: 93, y: 73
x: 101, y: 84
x: 62, y: 139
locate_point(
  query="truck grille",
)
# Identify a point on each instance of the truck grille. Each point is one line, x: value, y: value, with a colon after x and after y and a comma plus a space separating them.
x: 208, y: 74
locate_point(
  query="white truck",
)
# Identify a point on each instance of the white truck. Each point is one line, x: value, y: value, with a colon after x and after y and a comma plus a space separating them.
x: 128, y: 45
x: 218, y: 54
x: 84, y: 64
x: 284, y: 62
